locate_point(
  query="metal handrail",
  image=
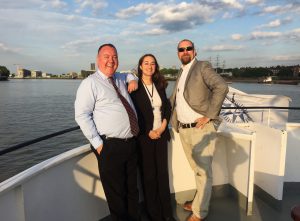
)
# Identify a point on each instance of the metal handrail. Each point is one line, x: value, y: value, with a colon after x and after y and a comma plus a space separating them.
x: 262, y: 107
x: 27, y: 143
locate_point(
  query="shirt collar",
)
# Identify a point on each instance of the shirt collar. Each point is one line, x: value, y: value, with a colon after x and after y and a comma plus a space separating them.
x: 103, y: 76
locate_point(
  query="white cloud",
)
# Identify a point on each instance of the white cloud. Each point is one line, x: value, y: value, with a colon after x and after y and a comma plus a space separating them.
x: 95, y: 5
x: 154, y: 31
x: 254, y: 2
x: 272, y: 24
x: 261, y: 35
x: 228, y: 15
x: 224, y: 48
x: 233, y: 3
x: 237, y: 37
x: 276, y: 23
x: 181, y: 16
x: 53, y: 34
x: 57, y: 3
x: 293, y: 34
x: 5, y: 48
x: 264, y: 35
x: 286, y: 58
x: 174, y: 17
x: 73, y: 45
x: 281, y: 9
x: 136, y: 10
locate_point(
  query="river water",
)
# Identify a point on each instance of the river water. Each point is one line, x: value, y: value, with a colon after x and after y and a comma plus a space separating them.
x: 33, y: 108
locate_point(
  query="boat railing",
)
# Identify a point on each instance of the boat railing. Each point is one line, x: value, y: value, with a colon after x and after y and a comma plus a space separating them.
x: 4, y: 151
x: 39, y: 139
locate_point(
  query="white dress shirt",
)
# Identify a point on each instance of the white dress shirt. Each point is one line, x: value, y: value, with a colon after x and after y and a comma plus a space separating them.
x: 185, y: 114
x: 98, y: 109
x: 155, y: 101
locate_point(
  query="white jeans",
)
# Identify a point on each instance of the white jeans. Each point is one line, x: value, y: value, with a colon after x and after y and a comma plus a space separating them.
x: 198, y: 145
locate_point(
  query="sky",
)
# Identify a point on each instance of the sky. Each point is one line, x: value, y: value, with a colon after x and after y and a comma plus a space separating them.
x: 60, y: 36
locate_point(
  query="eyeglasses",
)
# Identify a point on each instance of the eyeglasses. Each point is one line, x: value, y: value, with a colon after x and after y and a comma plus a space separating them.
x: 189, y: 48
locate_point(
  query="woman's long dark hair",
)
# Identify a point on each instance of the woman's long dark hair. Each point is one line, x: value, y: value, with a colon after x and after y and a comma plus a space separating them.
x: 157, y: 77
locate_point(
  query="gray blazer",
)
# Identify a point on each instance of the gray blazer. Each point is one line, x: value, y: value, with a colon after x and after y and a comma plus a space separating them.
x: 204, y: 91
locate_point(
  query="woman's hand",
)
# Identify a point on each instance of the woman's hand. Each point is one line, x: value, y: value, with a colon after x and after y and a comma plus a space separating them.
x: 158, y: 132
x: 153, y: 135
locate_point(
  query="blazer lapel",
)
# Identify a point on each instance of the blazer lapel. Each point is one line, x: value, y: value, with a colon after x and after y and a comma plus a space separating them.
x: 144, y: 97
x: 190, y: 71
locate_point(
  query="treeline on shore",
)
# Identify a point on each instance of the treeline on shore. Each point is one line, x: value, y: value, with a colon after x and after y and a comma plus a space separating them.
x: 282, y: 72
x: 4, y: 72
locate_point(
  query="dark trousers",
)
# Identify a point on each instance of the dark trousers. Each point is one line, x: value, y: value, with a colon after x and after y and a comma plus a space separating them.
x: 117, y: 164
x: 155, y: 177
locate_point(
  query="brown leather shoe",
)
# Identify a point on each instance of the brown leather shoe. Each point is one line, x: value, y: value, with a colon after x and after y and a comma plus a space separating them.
x: 194, y: 218
x: 187, y: 206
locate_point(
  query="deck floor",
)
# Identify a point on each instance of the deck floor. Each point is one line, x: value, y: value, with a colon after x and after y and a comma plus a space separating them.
x: 228, y: 209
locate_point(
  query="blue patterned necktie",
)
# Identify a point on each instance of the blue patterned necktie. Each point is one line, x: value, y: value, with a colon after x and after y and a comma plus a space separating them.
x: 131, y: 114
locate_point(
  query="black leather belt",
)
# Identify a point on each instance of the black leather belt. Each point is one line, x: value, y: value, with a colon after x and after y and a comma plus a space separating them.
x: 184, y: 126
x: 116, y: 138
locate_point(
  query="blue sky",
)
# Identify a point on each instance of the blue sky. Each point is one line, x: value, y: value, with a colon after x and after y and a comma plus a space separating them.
x: 58, y: 36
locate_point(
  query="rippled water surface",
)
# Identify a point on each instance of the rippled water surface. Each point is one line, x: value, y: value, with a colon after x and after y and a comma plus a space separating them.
x: 33, y: 108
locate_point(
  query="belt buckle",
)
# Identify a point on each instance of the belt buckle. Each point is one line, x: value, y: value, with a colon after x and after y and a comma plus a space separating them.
x: 183, y: 126
x: 180, y: 124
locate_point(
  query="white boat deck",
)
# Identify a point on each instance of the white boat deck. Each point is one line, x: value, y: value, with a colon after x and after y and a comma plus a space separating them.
x: 67, y: 187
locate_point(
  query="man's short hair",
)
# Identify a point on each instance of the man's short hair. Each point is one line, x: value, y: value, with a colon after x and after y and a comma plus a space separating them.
x: 185, y: 40
x: 107, y: 44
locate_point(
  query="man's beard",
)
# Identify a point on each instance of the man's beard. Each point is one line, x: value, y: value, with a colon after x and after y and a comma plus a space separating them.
x: 185, y: 59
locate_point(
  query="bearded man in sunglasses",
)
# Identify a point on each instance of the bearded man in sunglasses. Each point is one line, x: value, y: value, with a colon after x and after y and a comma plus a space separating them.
x: 196, y: 103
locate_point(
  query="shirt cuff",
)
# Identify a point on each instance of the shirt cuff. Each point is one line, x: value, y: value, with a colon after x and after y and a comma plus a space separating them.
x: 131, y: 77
x: 96, y: 142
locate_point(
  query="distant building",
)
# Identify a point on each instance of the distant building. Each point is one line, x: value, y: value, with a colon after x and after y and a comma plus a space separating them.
x: 275, y: 71
x: 36, y: 74
x: 46, y: 75
x: 23, y: 73
x: 226, y: 74
x: 93, y: 67
x: 72, y: 75
x: 296, y: 71
x: 85, y: 73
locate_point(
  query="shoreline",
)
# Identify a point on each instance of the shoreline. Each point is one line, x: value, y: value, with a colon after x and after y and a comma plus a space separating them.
x: 229, y: 81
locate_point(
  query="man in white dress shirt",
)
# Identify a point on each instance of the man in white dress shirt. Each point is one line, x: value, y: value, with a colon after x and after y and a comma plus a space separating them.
x: 196, y: 102
x: 104, y: 120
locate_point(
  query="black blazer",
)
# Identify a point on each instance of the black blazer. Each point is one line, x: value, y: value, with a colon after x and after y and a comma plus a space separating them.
x: 144, y: 109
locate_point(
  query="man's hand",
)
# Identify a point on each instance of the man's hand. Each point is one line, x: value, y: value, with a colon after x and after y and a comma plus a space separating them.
x: 99, y: 149
x: 132, y: 86
x: 201, y: 122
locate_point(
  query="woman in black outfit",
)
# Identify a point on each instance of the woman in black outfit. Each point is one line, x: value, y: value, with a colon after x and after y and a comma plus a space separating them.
x: 153, y: 109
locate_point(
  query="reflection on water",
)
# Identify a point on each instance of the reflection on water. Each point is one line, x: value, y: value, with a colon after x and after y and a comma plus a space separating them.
x: 33, y: 108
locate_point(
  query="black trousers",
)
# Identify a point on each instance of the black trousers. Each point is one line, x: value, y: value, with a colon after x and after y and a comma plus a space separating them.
x: 155, y: 177
x: 117, y: 164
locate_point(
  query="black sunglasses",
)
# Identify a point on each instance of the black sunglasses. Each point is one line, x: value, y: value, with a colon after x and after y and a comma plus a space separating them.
x: 189, y: 48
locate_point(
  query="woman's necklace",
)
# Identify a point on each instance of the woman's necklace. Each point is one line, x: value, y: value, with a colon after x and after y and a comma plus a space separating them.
x: 148, y: 92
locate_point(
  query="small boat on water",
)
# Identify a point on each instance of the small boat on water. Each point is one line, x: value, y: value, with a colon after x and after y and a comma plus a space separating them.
x: 255, y: 172
x: 275, y: 80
